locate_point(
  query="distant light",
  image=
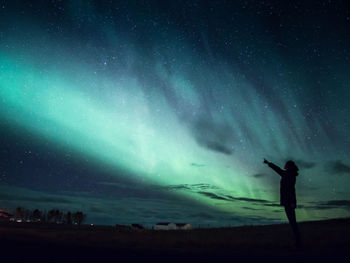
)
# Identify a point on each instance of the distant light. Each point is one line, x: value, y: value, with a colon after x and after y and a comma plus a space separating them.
x: 91, y: 224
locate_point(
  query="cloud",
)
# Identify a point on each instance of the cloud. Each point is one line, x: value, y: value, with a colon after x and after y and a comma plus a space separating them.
x: 273, y: 205
x: 217, y: 147
x: 213, y: 136
x: 213, y: 196
x: 197, y: 164
x: 308, y: 188
x: 251, y: 200
x: 130, y: 189
x: 259, y: 175
x: 302, y: 164
x: 332, y: 204
x: 32, y: 198
x: 179, y: 187
x: 127, y: 210
x: 337, y: 167
x: 205, y: 186
x: 247, y: 199
x: 203, y: 215
x: 203, y: 189
x: 250, y: 208
x: 231, y: 198
x: 338, y: 203
x: 120, y: 185
x: 192, y: 187
x: 97, y: 209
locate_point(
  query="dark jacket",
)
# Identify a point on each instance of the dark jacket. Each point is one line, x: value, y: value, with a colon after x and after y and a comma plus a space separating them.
x: 287, y: 190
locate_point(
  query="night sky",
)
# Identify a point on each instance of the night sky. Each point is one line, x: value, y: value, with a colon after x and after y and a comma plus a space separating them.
x: 149, y: 111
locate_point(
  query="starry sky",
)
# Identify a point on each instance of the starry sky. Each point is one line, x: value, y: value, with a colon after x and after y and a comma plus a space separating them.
x: 149, y: 111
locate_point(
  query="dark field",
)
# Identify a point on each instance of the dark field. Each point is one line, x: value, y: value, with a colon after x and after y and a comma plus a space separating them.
x: 324, y: 241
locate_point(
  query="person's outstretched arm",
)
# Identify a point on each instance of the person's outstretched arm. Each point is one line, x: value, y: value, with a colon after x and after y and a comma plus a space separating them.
x: 274, y: 167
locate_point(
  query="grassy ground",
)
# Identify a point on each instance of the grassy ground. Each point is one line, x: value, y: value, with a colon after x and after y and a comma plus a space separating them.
x: 323, y: 241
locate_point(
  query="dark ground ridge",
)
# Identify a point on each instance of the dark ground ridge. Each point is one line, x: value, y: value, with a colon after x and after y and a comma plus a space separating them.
x: 324, y: 241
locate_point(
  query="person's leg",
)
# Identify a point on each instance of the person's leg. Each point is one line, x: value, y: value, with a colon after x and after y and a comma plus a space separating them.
x: 290, y: 212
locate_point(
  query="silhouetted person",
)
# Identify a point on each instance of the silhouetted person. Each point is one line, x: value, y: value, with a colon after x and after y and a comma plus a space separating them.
x: 287, y: 194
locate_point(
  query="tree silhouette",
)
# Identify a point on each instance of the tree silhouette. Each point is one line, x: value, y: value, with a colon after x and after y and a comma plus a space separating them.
x: 69, y: 218
x: 79, y: 217
x: 51, y: 216
x: 43, y: 217
x: 18, y: 213
x: 36, y: 215
x: 26, y: 215
x: 58, y: 216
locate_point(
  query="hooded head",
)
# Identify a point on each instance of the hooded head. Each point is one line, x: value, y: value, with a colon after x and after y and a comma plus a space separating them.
x: 291, y: 166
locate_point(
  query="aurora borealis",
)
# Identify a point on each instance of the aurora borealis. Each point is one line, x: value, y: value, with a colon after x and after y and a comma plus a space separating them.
x: 147, y: 111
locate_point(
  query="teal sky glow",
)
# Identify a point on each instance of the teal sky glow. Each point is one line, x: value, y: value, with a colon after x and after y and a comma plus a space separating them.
x: 176, y: 108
